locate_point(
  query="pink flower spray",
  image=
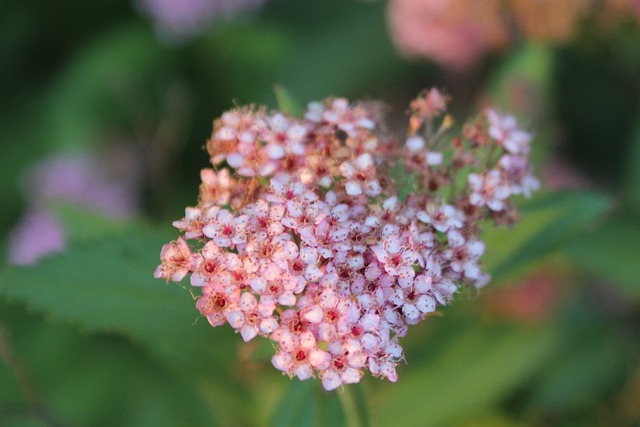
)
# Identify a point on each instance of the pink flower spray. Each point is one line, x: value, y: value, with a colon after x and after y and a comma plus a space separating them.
x: 326, y: 236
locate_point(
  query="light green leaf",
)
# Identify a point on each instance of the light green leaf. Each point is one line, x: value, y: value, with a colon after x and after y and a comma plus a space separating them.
x: 611, y: 251
x: 286, y: 103
x: 107, y: 284
x: 548, y: 223
x: 471, y: 372
x: 306, y: 404
x: 354, y: 404
x: 82, y: 223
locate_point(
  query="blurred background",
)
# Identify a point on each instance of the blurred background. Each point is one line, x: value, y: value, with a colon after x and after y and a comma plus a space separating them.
x: 105, y: 108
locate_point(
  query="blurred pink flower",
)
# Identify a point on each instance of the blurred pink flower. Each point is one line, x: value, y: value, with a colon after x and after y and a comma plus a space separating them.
x: 560, y: 175
x: 624, y: 8
x: 39, y: 233
x: 105, y: 182
x: 532, y: 301
x: 456, y: 33
x: 86, y: 179
x: 180, y: 19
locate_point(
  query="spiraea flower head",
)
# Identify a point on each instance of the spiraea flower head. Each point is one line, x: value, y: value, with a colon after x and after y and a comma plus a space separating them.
x: 301, y: 236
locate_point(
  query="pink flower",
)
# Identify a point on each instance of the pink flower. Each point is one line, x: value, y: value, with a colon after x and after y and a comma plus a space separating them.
x: 177, y: 261
x: 216, y: 186
x: 347, y: 360
x: 441, y: 217
x: 504, y: 130
x: 360, y: 175
x: 215, y: 305
x: 37, y: 235
x: 396, y: 259
x: 455, y: 33
x: 415, y: 298
x: 303, y: 358
x: 226, y: 230
x: 463, y: 255
x: 247, y: 320
x: 327, y: 239
x: 489, y: 190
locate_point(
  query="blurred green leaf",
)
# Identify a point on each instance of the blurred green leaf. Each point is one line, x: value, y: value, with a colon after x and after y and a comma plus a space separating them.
x: 633, y: 169
x: 109, y: 85
x: 549, y: 223
x: 611, y: 251
x: 493, y: 419
x: 590, y: 362
x: 338, y: 59
x: 240, y: 62
x: 82, y: 223
x: 472, y: 371
x: 521, y: 83
x: 286, y: 103
x: 96, y: 380
x: 355, y: 406
x: 306, y: 404
x: 105, y: 283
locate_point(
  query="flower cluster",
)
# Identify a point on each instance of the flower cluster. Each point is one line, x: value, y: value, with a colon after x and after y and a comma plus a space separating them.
x: 328, y: 237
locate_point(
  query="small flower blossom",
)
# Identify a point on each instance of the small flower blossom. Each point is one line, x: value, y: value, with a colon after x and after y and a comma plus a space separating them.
x: 305, y: 240
x: 215, y: 187
x: 504, y: 130
x: 177, y: 261
x: 441, y: 217
x: 489, y: 190
x: 226, y: 230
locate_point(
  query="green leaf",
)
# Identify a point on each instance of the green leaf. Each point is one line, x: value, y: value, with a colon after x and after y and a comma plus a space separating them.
x: 472, y: 371
x: 611, y: 251
x: 592, y: 361
x: 354, y: 404
x: 106, y: 86
x: 82, y: 223
x: 633, y: 169
x: 286, y: 103
x: 306, y: 404
x: 549, y: 223
x: 107, y: 284
x: 112, y: 381
x: 337, y: 59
